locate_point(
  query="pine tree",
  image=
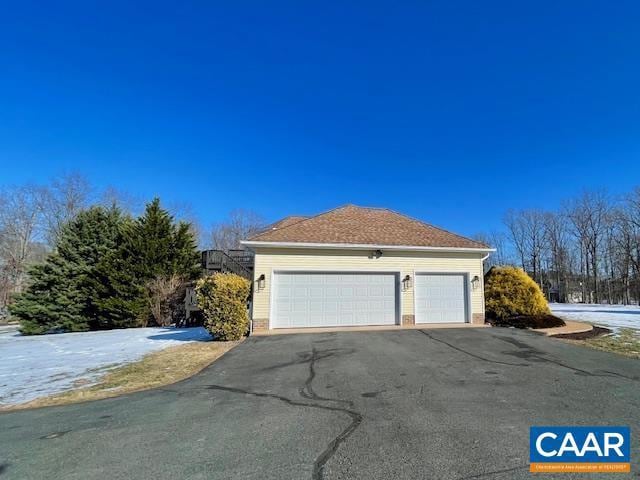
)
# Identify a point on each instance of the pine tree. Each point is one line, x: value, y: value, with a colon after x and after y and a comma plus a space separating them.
x: 59, y: 297
x: 153, y: 246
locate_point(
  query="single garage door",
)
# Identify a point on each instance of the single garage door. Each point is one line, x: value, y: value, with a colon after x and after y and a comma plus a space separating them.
x: 441, y: 298
x: 310, y: 299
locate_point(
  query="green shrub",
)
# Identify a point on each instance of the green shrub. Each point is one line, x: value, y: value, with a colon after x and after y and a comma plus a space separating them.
x: 510, y: 292
x: 59, y: 297
x: 223, y: 300
x: 152, y: 246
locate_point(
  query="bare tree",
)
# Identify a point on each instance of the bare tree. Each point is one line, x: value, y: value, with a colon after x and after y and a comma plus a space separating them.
x: 20, y: 215
x: 628, y: 238
x: 240, y: 225
x: 589, y: 250
x: 131, y: 204
x: 499, y: 241
x: 30, y: 219
x: 527, y: 231
x: 60, y: 201
x: 517, y: 233
x: 165, y: 297
x: 558, y: 252
x: 589, y: 215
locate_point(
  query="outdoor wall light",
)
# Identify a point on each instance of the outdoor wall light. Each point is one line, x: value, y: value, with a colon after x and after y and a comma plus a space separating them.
x: 475, y: 282
x: 261, y: 280
x: 376, y: 254
x: 406, y: 282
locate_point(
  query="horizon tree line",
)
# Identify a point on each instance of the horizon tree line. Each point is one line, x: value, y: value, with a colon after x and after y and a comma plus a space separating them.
x: 587, y: 251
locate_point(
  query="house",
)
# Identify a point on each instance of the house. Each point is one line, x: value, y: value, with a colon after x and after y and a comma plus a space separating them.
x: 356, y: 266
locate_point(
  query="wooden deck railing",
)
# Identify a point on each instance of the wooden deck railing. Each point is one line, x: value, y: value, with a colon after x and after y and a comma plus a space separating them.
x: 218, y: 261
x: 214, y: 261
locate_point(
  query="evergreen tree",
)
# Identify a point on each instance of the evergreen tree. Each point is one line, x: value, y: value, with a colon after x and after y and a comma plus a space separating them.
x: 59, y: 297
x: 153, y: 246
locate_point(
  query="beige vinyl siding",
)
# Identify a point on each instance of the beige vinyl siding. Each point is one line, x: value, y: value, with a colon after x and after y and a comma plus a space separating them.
x: 268, y: 260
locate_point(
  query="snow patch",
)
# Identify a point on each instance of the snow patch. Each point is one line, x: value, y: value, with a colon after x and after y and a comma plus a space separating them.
x: 36, y: 366
x: 614, y: 317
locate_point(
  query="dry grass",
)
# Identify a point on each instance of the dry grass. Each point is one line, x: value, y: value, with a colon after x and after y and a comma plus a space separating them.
x: 154, y: 370
x: 626, y: 342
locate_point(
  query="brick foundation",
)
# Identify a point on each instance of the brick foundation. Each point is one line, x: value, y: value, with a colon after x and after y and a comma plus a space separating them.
x: 478, y: 319
x: 408, y: 320
x: 260, y: 324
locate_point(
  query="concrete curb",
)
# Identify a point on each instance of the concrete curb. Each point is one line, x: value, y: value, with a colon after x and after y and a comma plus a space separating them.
x: 570, y: 327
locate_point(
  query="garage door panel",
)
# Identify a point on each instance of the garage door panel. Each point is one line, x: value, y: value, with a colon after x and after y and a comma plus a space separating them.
x: 285, y: 307
x: 284, y: 292
x: 331, y: 307
x: 315, y: 320
x: 315, y: 292
x: 348, y: 318
x: 299, y: 306
x: 441, y: 298
x: 347, y: 307
x: 330, y: 292
x: 376, y: 291
x: 334, y: 299
x: 347, y: 292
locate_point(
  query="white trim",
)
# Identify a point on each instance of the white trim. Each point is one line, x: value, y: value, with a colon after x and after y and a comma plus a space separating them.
x: 254, y: 290
x: 414, y: 295
x: 482, y: 283
x: 362, y: 246
x: 271, y: 290
x: 399, y: 296
x: 467, y: 290
x: 324, y: 269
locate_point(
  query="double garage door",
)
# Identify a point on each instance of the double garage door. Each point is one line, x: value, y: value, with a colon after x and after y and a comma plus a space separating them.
x: 305, y: 299
x: 330, y: 299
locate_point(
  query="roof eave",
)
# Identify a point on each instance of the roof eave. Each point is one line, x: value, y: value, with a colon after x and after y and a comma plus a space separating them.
x: 356, y: 246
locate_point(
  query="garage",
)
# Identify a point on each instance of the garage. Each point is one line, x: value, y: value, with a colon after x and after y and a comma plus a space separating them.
x: 359, y: 266
x: 441, y: 298
x: 334, y: 299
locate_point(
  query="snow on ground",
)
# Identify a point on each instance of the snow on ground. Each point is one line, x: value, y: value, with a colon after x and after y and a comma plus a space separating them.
x: 36, y: 366
x: 614, y: 317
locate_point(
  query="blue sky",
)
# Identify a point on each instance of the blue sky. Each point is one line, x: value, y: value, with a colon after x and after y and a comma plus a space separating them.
x: 448, y: 111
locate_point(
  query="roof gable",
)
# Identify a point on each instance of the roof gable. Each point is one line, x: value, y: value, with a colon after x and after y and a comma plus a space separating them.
x: 363, y: 226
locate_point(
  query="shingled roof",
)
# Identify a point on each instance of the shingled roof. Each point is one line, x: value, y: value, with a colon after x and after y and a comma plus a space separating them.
x: 363, y: 226
x: 285, y: 222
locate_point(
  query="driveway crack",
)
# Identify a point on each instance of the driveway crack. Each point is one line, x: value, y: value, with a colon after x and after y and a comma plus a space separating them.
x: 307, y: 391
x: 606, y: 373
x: 541, y: 356
x: 471, y: 354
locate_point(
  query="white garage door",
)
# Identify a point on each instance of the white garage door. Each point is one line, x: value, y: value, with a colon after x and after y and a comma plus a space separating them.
x: 441, y: 298
x: 304, y: 299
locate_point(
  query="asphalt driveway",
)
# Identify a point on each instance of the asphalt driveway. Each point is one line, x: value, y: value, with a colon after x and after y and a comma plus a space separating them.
x: 381, y: 405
